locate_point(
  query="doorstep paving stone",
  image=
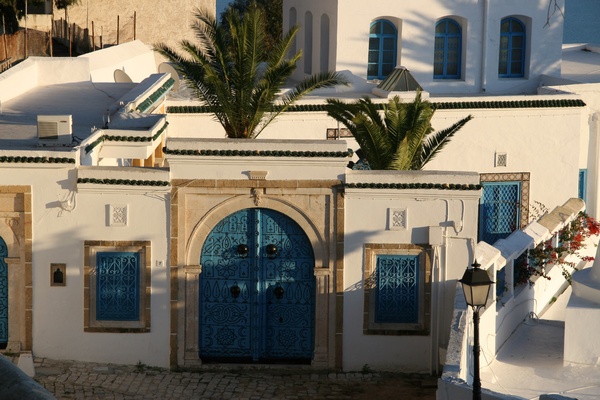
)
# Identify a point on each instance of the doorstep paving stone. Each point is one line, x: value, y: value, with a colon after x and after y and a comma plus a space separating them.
x: 89, y: 381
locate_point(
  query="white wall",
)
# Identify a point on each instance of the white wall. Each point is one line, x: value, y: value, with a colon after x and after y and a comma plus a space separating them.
x: 542, y: 141
x: 415, y: 22
x: 135, y: 58
x: 366, y: 213
x: 58, y: 237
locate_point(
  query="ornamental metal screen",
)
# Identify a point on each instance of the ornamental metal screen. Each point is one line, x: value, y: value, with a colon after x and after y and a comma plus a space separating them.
x: 3, y: 294
x: 397, y: 289
x: 257, y: 289
x: 499, y: 210
x: 117, y: 286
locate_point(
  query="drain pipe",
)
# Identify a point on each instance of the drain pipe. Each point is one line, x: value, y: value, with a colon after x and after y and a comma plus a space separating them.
x: 484, y: 38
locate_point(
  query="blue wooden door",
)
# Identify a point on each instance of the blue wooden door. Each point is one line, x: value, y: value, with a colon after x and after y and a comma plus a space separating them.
x: 3, y: 295
x: 257, y: 289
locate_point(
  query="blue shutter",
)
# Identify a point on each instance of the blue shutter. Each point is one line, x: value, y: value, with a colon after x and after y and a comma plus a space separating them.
x: 499, y: 210
x: 117, y: 286
x: 511, y: 63
x: 397, y: 289
x: 383, y: 44
x: 448, y: 50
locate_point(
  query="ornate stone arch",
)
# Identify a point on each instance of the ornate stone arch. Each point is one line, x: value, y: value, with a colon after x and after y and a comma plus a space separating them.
x: 208, y: 222
x: 323, y: 349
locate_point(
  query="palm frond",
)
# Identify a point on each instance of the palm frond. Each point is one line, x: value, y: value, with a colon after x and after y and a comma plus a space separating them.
x: 434, y: 143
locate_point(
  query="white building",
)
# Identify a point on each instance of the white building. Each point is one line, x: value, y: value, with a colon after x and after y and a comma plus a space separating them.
x: 272, y: 250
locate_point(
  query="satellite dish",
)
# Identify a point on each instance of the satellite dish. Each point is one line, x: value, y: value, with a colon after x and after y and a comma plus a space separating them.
x: 166, y: 68
x: 121, y: 76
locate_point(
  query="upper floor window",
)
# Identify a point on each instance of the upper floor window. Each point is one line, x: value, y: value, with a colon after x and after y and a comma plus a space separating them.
x: 448, y: 50
x: 512, y: 48
x: 383, y: 45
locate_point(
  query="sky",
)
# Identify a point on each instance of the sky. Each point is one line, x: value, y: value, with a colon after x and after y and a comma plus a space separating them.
x: 221, y: 4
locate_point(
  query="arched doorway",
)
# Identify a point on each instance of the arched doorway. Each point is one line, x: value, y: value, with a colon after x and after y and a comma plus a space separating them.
x: 257, y: 290
x: 3, y: 295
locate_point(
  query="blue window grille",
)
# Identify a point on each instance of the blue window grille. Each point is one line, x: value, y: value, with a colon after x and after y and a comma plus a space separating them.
x: 582, y: 183
x: 383, y: 45
x: 117, y: 286
x: 3, y: 295
x: 512, y: 49
x: 448, y: 50
x: 397, y: 289
x: 499, y: 210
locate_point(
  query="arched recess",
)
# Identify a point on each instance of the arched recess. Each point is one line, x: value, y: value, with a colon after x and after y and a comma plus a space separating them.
x: 324, y: 348
x: 293, y: 20
x: 308, y: 42
x: 324, y: 56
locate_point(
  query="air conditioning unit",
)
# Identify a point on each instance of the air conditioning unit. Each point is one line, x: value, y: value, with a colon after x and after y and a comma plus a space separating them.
x: 55, y: 130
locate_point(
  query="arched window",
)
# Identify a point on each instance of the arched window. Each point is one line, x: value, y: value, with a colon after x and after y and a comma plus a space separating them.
x: 512, y: 49
x: 383, y: 45
x: 448, y: 50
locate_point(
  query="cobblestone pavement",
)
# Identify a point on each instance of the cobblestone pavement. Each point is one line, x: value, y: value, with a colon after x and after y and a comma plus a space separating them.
x: 76, y: 380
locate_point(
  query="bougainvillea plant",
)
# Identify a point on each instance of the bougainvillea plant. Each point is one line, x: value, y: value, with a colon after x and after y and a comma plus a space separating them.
x: 571, y: 242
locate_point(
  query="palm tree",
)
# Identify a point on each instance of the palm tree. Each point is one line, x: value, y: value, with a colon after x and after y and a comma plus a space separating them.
x: 401, y: 139
x: 233, y: 75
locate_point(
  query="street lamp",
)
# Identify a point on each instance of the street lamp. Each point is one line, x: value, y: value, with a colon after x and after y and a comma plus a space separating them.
x: 476, y: 286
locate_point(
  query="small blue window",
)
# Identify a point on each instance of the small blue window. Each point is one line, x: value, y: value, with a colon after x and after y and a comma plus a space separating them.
x: 499, y: 210
x: 448, y: 50
x: 383, y: 44
x: 397, y: 289
x: 512, y: 49
x: 117, y: 286
x: 582, y: 183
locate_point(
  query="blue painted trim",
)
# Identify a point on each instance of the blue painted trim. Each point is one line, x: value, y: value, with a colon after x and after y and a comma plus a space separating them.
x: 117, y: 286
x: 445, y: 38
x: 510, y: 48
x: 582, y: 184
x: 381, y: 49
x: 397, y: 289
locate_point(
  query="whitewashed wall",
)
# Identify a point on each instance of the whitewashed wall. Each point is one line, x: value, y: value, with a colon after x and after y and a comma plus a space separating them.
x: 542, y: 141
x: 58, y: 237
x: 366, y: 222
x: 415, y: 20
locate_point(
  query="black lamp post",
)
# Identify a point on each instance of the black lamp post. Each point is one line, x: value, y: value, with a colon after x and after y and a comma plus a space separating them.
x: 476, y: 286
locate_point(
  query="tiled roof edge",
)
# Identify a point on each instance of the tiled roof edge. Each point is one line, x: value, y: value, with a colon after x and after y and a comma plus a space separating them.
x: 457, y: 105
x: 115, y: 138
x: 36, y: 160
x: 157, y: 94
x: 130, y: 182
x: 440, y: 186
x: 258, y: 153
